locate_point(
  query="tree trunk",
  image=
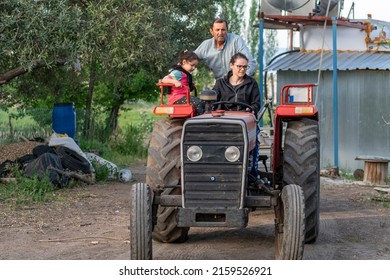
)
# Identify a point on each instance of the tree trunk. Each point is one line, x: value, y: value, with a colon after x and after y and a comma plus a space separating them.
x: 88, y: 105
x: 113, y: 118
x: 11, y: 128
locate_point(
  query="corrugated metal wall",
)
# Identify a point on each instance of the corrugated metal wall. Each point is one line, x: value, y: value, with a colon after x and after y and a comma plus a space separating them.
x: 364, y: 106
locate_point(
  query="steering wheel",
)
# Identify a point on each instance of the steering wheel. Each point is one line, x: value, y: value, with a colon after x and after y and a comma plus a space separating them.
x: 237, y: 104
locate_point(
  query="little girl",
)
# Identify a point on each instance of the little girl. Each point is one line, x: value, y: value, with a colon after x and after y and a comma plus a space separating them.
x: 180, y: 76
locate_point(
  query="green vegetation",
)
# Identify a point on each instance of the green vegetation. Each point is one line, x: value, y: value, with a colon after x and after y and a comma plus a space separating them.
x: 128, y: 145
x: 384, y: 199
x: 347, y: 175
x: 26, y: 190
x: 102, y: 172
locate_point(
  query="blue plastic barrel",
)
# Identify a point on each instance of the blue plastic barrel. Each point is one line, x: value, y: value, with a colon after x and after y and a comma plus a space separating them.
x: 64, y: 119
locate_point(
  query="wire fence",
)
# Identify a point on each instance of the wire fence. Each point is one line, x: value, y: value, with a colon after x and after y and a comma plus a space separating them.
x: 37, y: 123
x: 13, y: 126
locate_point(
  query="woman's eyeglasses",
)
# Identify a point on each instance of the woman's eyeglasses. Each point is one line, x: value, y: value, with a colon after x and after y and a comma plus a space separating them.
x: 242, y: 67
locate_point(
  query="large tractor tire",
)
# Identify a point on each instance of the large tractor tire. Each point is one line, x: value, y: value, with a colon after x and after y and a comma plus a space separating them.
x: 301, y: 166
x: 166, y: 229
x: 290, y: 224
x: 140, y: 222
x: 163, y: 168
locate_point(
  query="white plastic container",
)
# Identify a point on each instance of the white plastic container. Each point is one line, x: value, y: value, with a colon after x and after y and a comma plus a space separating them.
x: 125, y: 175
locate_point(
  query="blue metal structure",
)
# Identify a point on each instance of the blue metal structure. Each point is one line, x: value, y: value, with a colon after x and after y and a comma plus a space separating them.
x: 335, y: 96
x: 261, y: 64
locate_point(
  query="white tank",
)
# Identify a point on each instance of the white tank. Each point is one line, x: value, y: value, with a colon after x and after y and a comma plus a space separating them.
x: 289, y: 5
x: 299, y: 7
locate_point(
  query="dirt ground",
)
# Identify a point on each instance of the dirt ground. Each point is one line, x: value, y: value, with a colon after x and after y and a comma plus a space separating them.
x: 92, y: 222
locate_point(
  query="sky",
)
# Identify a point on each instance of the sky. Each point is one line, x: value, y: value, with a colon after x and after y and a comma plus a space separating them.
x: 377, y: 8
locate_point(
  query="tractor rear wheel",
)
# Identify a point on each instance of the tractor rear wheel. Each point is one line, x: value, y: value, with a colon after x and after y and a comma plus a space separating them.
x: 140, y: 222
x: 163, y: 168
x: 290, y: 224
x: 301, y: 166
x: 166, y: 229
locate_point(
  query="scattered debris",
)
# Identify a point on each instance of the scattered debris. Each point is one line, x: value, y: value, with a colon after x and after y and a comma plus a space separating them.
x: 382, y: 189
x: 125, y: 175
x: 7, y: 180
x: 17, y: 150
x: 78, y: 238
x: 358, y: 174
x: 87, y: 178
x: 330, y: 172
x: 61, y: 156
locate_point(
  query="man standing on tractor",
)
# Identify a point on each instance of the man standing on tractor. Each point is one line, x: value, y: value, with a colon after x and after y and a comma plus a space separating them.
x: 216, y: 52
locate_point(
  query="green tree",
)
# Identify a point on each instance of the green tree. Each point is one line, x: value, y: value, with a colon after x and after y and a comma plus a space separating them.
x: 36, y: 34
x: 253, y: 32
x: 120, y: 46
x: 115, y: 33
x: 271, y: 44
x: 270, y: 36
x: 233, y: 11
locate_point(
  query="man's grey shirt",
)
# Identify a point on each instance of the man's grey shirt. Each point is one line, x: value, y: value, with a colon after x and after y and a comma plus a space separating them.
x: 218, y: 60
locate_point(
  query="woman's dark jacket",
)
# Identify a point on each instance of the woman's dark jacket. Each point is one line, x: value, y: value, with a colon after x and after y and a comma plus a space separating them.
x: 246, y: 92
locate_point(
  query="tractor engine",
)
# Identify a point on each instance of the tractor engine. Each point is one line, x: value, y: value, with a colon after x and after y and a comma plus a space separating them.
x: 215, y: 150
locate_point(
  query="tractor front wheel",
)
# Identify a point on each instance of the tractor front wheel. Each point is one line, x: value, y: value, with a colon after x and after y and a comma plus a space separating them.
x: 290, y: 224
x: 140, y: 222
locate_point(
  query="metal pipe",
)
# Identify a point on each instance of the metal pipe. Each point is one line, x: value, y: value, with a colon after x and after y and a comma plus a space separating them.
x: 335, y: 95
x: 266, y: 85
x: 261, y: 63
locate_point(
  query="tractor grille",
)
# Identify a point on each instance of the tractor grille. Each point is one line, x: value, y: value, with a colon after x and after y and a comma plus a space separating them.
x: 213, y: 181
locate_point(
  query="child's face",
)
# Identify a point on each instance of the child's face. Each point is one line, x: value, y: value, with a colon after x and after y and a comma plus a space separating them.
x: 189, y: 66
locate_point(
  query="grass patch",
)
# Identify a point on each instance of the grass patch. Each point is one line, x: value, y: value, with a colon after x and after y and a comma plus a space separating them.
x: 32, y: 191
x: 30, y: 124
x: 347, y: 175
x: 129, y: 144
x: 383, y: 199
x: 133, y: 113
x: 102, y: 172
x: 27, y: 190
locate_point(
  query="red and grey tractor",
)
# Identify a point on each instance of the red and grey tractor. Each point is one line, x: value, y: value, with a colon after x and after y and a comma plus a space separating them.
x: 198, y: 172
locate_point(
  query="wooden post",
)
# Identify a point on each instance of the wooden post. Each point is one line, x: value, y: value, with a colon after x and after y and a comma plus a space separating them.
x: 375, y: 169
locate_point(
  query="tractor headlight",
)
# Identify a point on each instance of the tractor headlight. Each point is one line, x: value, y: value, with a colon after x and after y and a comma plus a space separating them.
x: 194, y: 153
x: 232, y: 154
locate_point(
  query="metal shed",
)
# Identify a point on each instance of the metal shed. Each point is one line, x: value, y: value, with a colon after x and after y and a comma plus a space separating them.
x: 363, y: 101
x: 360, y: 52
